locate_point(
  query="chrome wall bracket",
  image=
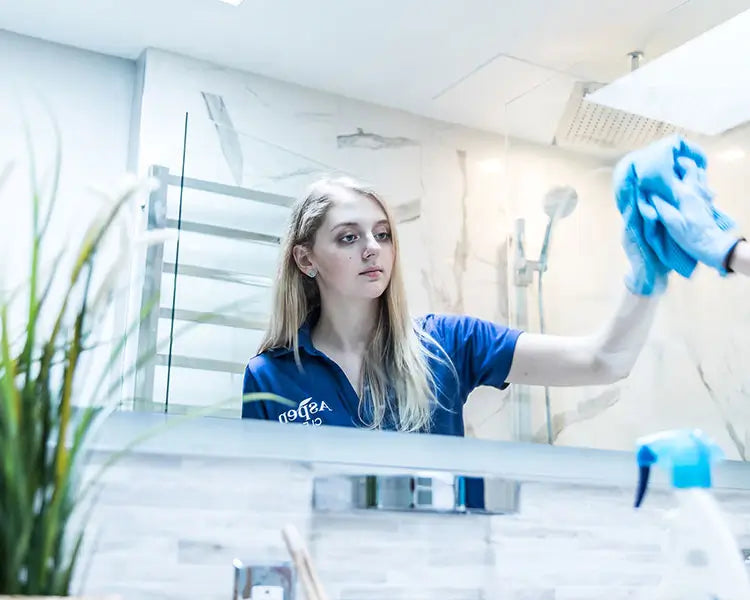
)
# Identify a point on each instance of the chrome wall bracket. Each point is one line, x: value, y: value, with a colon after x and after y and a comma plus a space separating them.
x: 419, y: 492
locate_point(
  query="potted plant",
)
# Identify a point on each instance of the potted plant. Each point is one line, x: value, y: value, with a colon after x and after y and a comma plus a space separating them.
x: 45, y: 425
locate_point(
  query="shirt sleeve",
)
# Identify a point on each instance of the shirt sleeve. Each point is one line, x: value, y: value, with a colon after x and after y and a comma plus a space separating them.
x: 252, y: 409
x: 482, y: 351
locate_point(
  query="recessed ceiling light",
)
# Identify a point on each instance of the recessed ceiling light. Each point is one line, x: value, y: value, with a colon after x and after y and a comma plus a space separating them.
x: 232, y: 2
x: 491, y: 165
x: 702, y: 86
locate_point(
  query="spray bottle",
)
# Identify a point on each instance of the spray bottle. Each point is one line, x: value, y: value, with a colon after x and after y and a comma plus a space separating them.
x: 704, y: 561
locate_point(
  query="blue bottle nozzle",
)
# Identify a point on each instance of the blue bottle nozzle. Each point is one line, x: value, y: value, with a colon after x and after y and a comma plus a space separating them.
x: 687, y: 454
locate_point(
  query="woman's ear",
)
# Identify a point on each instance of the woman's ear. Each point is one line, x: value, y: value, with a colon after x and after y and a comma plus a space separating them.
x: 304, y: 260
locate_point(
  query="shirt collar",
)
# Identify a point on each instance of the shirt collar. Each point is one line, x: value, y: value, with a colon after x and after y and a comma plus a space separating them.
x: 304, y: 336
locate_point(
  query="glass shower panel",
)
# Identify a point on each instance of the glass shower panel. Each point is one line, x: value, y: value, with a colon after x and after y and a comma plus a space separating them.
x: 213, y: 283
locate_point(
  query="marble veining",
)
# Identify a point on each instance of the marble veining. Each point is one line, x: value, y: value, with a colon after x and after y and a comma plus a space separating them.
x: 372, y: 141
x: 586, y: 410
x: 462, y: 243
x: 313, y: 116
x: 450, y: 297
x: 733, y: 433
x: 306, y: 172
x: 228, y: 138
x: 718, y: 399
x: 408, y: 211
x: 256, y: 96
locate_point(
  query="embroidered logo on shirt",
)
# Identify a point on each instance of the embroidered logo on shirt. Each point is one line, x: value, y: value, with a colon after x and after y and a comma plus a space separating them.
x: 305, y: 413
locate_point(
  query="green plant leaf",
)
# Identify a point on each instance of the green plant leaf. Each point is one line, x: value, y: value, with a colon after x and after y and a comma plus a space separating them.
x: 44, y: 435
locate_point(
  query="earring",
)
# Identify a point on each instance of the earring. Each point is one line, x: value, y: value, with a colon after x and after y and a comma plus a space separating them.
x: 312, y: 273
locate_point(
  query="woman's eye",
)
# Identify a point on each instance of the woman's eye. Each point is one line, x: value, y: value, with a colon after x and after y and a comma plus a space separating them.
x: 383, y: 235
x: 348, y: 239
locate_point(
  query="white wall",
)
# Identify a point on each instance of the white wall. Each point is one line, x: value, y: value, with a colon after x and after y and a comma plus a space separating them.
x: 90, y: 97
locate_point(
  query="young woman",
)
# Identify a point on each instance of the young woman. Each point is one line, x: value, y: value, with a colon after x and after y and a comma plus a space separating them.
x: 342, y: 348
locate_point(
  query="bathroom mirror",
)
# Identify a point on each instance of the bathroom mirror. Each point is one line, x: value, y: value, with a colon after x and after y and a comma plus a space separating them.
x: 514, y: 224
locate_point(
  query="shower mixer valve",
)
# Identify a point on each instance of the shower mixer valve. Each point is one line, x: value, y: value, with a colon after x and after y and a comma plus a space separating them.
x: 523, y: 268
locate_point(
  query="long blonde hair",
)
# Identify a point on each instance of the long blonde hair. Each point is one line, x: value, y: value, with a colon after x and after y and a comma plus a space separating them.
x: 396, y: 363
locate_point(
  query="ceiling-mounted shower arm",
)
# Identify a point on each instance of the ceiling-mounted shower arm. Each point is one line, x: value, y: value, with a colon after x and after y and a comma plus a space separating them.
x: 636, y: 56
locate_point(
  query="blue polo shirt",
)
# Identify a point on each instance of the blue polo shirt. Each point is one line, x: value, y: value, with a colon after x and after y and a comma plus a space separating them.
x: 481, y: 352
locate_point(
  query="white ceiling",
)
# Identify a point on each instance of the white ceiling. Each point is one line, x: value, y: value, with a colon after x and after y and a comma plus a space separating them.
x: 499, y: 65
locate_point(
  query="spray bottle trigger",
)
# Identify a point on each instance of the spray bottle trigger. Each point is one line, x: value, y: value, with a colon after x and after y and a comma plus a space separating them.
x: 646, y: 458
x: 645, y: 471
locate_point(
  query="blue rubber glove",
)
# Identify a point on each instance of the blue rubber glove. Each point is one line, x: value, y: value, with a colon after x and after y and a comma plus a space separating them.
x: 658, y: 167
x: 655, y: 169
x: 648, y: 275
x: 690, y: 219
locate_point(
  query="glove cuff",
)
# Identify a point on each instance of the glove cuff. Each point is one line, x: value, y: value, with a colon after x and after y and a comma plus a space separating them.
x: 725, y: 268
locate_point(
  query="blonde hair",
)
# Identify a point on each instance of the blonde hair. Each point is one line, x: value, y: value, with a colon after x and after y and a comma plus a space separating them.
x: 396, y: 363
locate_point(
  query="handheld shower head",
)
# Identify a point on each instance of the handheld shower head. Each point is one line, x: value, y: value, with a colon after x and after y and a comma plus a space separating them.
x: 560, y: 201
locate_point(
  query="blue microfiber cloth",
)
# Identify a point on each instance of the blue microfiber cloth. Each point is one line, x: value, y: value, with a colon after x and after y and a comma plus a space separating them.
x: 644, y: 227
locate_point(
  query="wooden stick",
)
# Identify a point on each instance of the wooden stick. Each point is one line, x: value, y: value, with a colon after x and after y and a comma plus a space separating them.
x: 298, y: 550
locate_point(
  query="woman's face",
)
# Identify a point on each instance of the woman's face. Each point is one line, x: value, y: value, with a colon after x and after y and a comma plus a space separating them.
x: 352, y: 251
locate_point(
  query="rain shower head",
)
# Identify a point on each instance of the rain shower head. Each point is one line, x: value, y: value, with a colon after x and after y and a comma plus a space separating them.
x: 560, y: 201
x: 585, y: 125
